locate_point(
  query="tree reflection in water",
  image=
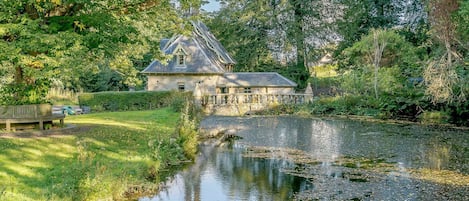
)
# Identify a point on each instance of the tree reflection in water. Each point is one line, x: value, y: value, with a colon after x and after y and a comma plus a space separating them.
x: 224, y: 174
x: 349, y: 160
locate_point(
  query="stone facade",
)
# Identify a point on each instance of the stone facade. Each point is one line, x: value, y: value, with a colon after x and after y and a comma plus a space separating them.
x: 182, y: 82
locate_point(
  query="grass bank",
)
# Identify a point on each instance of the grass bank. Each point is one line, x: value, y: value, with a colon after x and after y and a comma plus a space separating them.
x: 122, y: 153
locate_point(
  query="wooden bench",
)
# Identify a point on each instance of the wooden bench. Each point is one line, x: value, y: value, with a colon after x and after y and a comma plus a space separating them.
x: 39, y: 120
x: 38, y: 113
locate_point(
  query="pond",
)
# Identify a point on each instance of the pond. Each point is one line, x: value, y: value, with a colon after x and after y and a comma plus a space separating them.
x: 293, y: 158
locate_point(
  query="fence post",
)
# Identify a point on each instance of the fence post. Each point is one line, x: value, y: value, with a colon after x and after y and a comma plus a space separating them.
x: 309, y: 93
x: 197, y: 95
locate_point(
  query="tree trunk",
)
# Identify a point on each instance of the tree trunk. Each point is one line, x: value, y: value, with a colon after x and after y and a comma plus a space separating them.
x: 378, y: 54
x: 299, y: 34
x: 18, y: 75
x: 440, y: 75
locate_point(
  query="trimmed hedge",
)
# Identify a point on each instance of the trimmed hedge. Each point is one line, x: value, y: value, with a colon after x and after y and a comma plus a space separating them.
x: 131, y: 101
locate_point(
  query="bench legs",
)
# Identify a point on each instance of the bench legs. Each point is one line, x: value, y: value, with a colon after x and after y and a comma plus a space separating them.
x: 8, y: 125
x: 41, y: 124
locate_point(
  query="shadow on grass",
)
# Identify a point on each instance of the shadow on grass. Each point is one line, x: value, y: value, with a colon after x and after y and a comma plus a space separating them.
x: 101, y: 162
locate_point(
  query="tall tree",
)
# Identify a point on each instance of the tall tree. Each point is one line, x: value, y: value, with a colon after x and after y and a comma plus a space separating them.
x: 274, y: 33
x: 379, y: 43
x: 462, y: 24
x: 360, y: 16
x: 299, y: 15
x: 65, y: 40
x: 243, y: 29
x: 381, y: 57
x: 441, y: 75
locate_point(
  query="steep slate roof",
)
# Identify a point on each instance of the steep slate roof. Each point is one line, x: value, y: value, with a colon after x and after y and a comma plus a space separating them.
x: 255, y: 79
x: 205, y: 54
x: 210, y: 42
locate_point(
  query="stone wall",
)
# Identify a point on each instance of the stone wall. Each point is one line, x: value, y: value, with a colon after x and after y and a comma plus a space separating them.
x: 208, y: 85
x: 241, y: 104
x: 235, y: 110
x: 170, y: 82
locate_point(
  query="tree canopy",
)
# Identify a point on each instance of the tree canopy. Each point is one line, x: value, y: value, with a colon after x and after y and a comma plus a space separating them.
x: 100, y: 45
x: 415, y: 53
x: 79, y: 44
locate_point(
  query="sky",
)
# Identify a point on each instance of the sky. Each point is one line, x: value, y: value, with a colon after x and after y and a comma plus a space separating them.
x: 211, y: 6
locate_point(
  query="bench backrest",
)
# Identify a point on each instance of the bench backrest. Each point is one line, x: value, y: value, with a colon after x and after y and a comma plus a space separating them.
x: 25, y: 111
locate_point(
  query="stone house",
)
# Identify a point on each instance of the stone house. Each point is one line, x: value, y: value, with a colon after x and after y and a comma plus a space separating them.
x: 201, y: 60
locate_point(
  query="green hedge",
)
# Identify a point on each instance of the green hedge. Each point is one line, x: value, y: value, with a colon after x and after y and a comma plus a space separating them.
x: 131, y: 101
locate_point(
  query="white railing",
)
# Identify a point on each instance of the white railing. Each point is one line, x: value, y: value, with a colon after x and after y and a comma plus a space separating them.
x: 249, y: 98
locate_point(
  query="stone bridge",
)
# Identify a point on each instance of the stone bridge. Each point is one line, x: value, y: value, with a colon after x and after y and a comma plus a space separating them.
x: 243, y: 103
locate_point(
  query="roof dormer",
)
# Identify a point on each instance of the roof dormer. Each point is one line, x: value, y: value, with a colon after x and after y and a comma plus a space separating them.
x: 180, y: 55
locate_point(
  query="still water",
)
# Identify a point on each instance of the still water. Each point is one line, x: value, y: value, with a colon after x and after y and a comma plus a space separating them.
x: 291, y: 158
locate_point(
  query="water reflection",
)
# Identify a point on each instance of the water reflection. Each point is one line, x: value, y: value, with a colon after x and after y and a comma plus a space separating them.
x: 327, y: 140
x: 354, y: 161
x: 224, y: 174
x: 438, y: 156
x: 319, y: 138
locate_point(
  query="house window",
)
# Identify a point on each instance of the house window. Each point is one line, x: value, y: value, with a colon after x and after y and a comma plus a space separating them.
x: 229, y: 67
x: 181, y: 86
x: 223, y: 90
x: 247, y: 90
x: 181, y: 60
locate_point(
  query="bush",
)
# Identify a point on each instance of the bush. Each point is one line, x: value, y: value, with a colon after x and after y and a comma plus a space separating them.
x: 60, y: 96
x: 24, y: 94
x: 187, y: 130
x: 177, y: 101
x: 131, y: 101
x: 345, y: 105
x: 328, y: 86
x: 436, y: 117
x: 459, y: 112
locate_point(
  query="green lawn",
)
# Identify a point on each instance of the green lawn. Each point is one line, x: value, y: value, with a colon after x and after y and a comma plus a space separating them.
x: 120, y: 151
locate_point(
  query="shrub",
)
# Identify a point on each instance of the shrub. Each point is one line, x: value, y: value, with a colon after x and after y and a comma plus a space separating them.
x: 340, y: 105
x: 177, y: 101
x: 459, y: 112
x: 434, y: 117
x: 23, y: 94
x: 60, y: 96
x: 187, y: 130
x: 131, y: 101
